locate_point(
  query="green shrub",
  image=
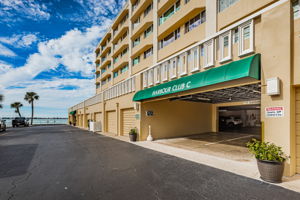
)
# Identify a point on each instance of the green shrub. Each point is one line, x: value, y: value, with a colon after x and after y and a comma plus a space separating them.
x: 133, y: 131
x: 266, y: 151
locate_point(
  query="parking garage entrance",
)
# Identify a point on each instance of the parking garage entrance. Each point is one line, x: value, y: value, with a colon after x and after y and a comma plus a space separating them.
x: 240, y: 119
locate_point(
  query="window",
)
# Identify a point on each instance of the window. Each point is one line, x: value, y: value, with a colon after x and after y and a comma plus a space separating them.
x: 225, y: 46
x: 181, y: 64
x: 166, y: 15
x: 109, y: 79
x: 116, y: 74
x: 136, y: 23
x: 97, y: 85
x: 136, y: 60
x: 109, y: 65
x: 135, y: 5
x: 196, y: 59
x: 157, y: 74
x: 173, y: 69
x: 169, y: 39
x: 103, y: 70
x: 116, y: 59
x: 150, y: 77
x: 97, y: 75
x: 124, y: 69
x: 246, y: 45
x: 186, y: 1
x: 235, y: 35
x: 209, y: 53
x: 136, y: 42
x: 148, y: 9
x: 296, y: 8
x: 124, y: 52
x: 148, y: 31
x: 148, y: 53
x: 223, y: 4
x: 196, y: 21
x: 145, y: 79
x: 164, y: 71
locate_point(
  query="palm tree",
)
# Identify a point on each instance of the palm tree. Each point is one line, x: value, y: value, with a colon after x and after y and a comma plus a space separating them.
x: 17, y: 106
x: 1, y: 99
x: 31, y: 97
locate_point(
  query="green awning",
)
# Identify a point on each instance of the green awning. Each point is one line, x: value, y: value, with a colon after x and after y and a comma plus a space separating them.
x: 73, y: 112
x: 247, y: 67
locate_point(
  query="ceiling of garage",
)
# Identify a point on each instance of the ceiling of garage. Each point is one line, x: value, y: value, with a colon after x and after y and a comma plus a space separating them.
x: 234, y: 94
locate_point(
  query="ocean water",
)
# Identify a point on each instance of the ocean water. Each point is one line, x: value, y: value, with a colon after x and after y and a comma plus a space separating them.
x: 41, y: 121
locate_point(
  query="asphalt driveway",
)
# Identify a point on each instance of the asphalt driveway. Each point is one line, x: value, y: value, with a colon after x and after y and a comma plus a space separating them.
x: 63, y: 162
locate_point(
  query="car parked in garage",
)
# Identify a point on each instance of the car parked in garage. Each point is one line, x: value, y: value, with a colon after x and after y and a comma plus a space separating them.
x: 2, y: 125
x: 230, y: 122
x: 20, y: 121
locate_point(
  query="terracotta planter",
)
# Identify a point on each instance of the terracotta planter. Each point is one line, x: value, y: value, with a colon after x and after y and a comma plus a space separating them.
x: 270, y: 171
x: 132, y: 137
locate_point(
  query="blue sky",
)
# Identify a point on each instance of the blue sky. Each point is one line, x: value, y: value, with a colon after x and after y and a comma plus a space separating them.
x: 47, y: 46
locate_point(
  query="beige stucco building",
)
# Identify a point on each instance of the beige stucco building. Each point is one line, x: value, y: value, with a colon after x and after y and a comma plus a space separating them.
x: 179, y: 65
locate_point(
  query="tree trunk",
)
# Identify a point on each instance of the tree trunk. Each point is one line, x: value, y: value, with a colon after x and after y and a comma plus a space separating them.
x: 18, y: 111
x: 31, y: 112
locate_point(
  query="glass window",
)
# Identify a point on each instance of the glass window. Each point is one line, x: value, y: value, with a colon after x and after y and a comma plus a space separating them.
x: 136, y: 60
x: 157, y: 74
x: 223, y: 4
x: 136, y: 42
x: 209, y: 53
x: 145, y: 79
x: 225, y: 46
x: 148, y: 9
x: 246, y: 42
x: 296, y: 8
x: 124, y: 69
x: 148, y: 53
x: 148, y: 31
x: 174, y: 8
x: 116, y: 74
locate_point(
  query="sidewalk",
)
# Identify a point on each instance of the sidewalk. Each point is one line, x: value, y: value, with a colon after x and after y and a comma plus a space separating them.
x: 247, y: 169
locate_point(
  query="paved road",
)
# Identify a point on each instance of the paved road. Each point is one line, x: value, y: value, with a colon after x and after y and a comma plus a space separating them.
x: 62, y: 163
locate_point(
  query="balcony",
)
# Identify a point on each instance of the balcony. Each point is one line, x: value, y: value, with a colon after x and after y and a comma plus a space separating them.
x: 121, y: 77
x: 140, y: 8
x: 106, y: 61
x: 164, y: 5
x: 122, y: 29
x: 106, y: 49
x: 180, y: 17
x: 121, y: 46
x: 144, y: 64
x: 121, y: 62
x: 119, y: 18
x: 185, y: 40
x: 145, y: 23
x: 144, y: 44
x: 104, y: 39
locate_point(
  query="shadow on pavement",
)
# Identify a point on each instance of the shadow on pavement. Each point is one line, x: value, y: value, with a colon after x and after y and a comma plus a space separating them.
x: 15, y: 159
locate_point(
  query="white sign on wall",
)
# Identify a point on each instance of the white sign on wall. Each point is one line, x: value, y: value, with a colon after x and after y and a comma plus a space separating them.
x: 276, y: 111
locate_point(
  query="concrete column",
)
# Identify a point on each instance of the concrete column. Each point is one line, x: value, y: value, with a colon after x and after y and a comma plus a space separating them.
x: 211, y: 17
x: 155, y: 30
x: 129, y: 36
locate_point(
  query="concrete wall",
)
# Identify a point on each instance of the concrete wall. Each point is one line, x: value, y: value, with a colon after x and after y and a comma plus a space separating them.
x: 276, y: 62
x: 175, y: 118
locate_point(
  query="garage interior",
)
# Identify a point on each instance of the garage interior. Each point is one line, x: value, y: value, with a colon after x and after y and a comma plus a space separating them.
x: 237, y: 124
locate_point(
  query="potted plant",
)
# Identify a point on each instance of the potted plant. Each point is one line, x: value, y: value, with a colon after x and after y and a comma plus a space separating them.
x: 270, y: 160
x: 133, y: 134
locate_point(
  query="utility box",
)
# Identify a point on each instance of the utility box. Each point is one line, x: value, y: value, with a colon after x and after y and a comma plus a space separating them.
x: 95, y: 126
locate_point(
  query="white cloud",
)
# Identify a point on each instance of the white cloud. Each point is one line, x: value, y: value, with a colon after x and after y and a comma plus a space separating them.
x: 20, y: 40
x: 74, y: 50
x: 29, y: 9
x: 4, y: 67
x: 4, y: 51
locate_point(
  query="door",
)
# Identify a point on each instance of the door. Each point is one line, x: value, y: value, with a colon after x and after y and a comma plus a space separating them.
x: 127, y: 120
x: 98, y: 117
x: 111, y: 117
x: 298, y: 130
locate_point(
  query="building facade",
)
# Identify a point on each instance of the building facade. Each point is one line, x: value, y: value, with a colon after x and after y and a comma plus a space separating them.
x: 179, y: 65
